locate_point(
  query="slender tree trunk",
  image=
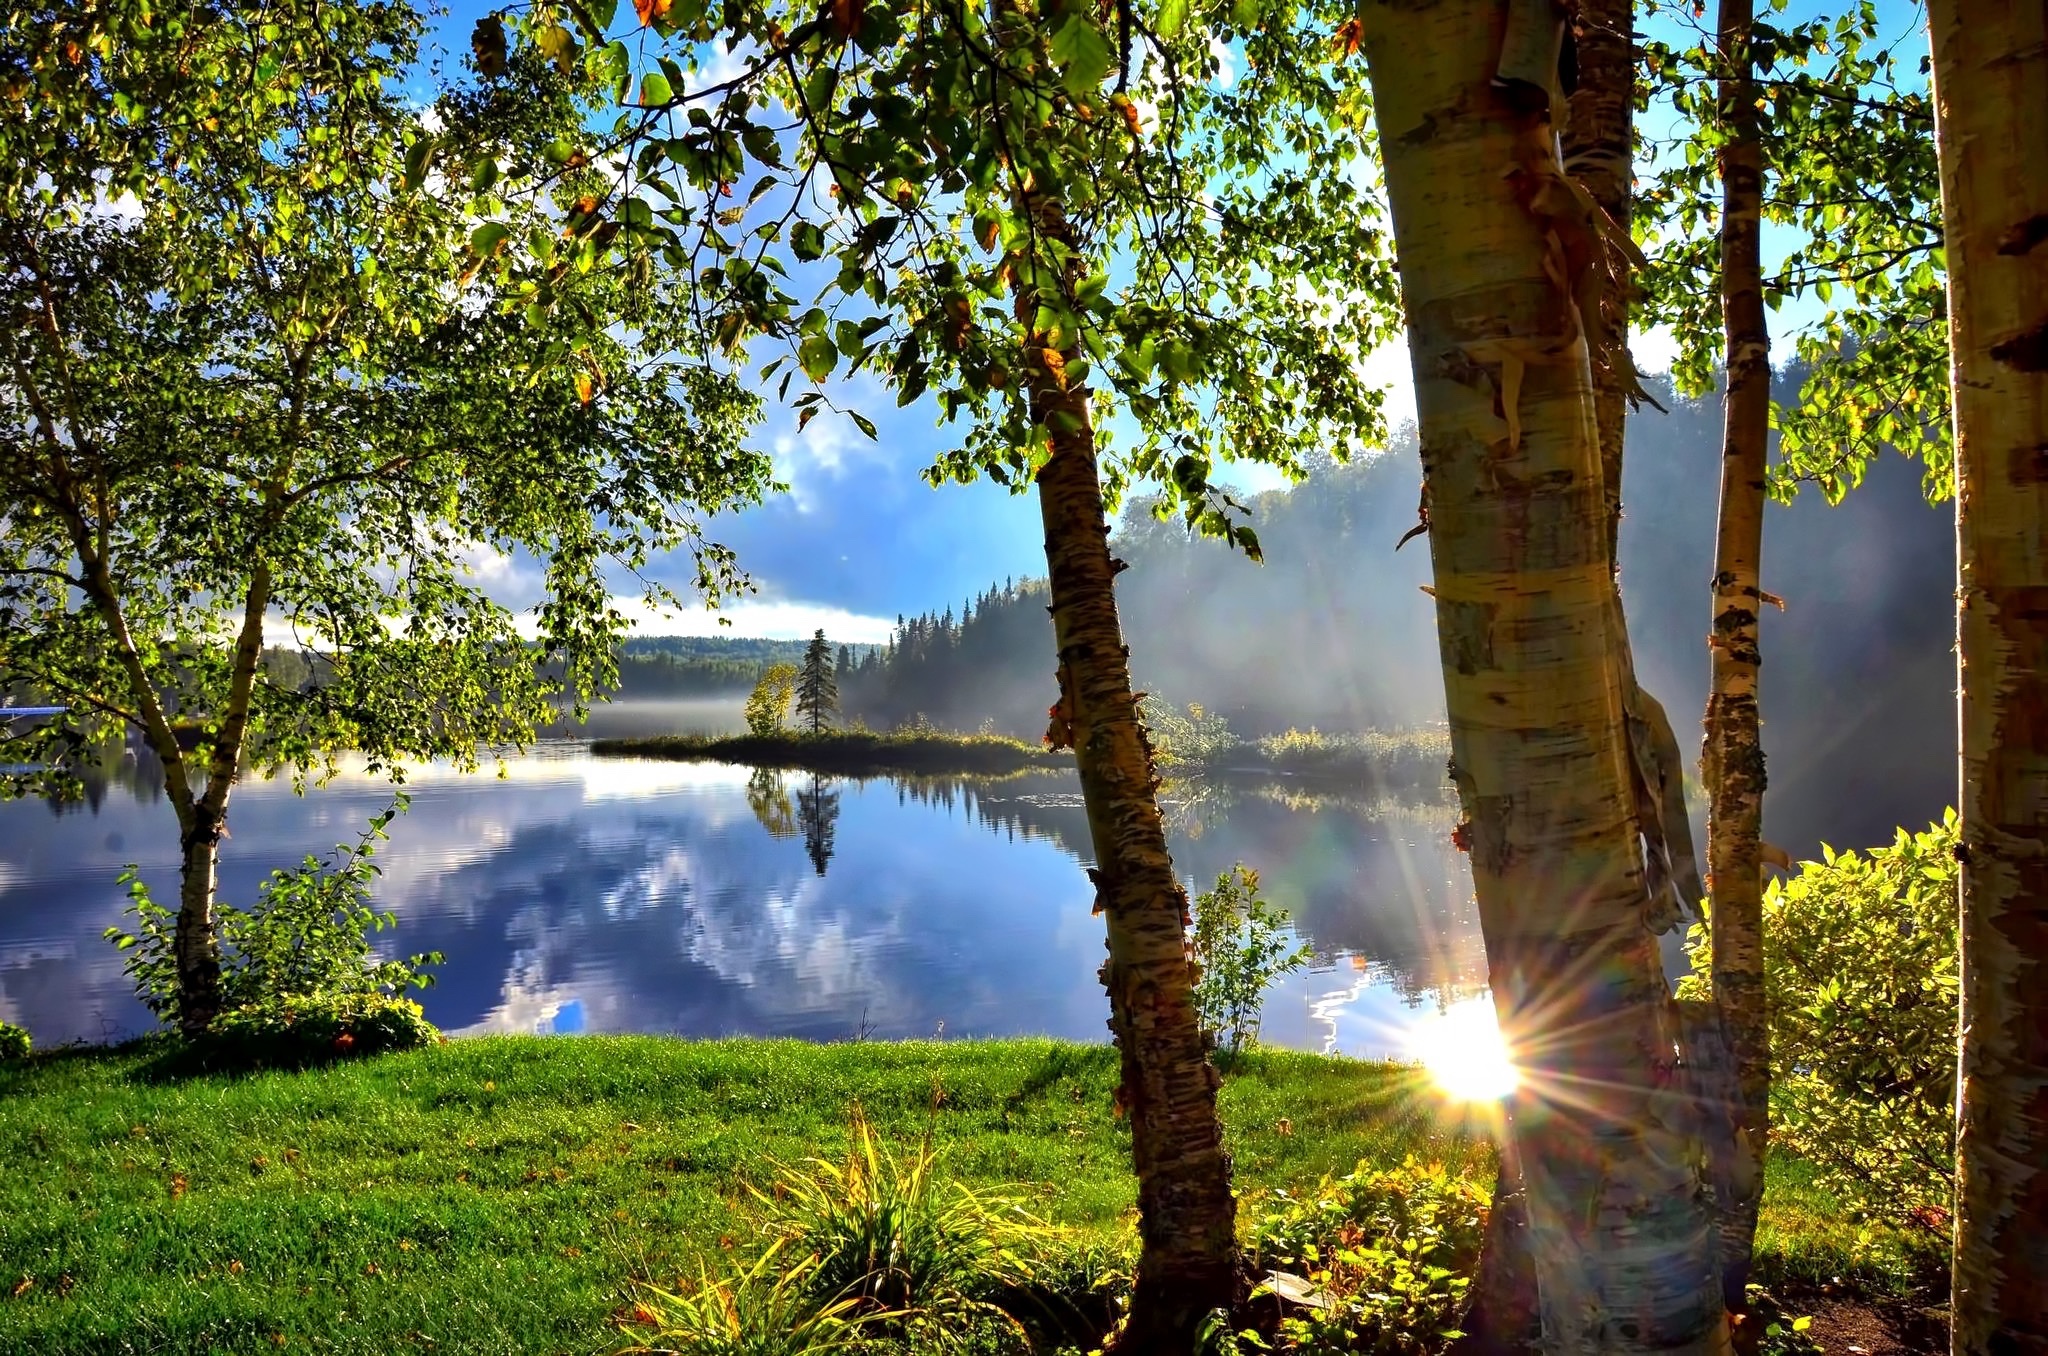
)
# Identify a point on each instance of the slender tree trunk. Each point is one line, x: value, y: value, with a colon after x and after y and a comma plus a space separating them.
x: 1991, y: 102
x: 1186, y: 1213
x: 1733, y: 756
x: 1621, y: 1245
x: 204, y: 824
x: 1599, y: 152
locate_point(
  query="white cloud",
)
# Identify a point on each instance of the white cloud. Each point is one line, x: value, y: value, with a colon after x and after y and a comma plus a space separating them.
x: 1226, y: 63
x: 765, y: 618
x: 824, y: 450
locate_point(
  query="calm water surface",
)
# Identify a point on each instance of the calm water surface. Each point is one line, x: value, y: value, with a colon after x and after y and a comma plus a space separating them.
x: 583, y: 894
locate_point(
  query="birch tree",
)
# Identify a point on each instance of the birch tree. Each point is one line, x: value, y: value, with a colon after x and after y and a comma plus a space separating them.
x: 1501, y: 256
x: 1732, y: 759
x: 257, y: 392
x: 1991, y: 98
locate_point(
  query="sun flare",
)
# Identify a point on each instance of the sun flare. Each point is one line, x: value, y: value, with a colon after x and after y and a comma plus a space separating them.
x: 1464, y: 1054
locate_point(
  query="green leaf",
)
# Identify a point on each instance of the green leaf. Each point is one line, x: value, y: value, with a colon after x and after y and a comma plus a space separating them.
x: 1083, y: 51
x: 485, y: 239
x: 817, y: 355
x: 655, y: 90
x: 1173, y: 16
x: 807, y: 241
x: 863, y: 423
x: 419, y: 157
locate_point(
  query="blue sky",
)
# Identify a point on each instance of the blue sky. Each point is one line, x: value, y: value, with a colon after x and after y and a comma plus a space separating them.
x: 860, y: 538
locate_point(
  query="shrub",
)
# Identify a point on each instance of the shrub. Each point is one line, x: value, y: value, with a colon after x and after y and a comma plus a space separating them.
x: 1860, y: 979
x: 1379, y: 1260
x: 1241, y: 945
x: 1194, y: 739
x: 302, y: 954
x: 14, y: 1042
x: 309, y: 1028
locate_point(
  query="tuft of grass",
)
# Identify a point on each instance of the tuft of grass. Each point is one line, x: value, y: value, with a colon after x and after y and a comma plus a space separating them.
x: 849, y: 753
x: 899, y: 1240
x: 769, y: 1309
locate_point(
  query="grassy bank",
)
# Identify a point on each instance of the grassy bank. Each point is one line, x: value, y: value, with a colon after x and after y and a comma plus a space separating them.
x: 848, y: 753
x: 497, y: 1195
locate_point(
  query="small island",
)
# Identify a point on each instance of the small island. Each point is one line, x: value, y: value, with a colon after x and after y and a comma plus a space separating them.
x: 850, y: 753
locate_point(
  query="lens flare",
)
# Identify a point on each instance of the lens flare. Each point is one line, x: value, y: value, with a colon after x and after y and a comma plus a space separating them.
x: 1464, y: 1054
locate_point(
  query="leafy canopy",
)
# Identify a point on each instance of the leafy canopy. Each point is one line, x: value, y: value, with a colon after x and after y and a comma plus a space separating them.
x: 861, y: 189
x: 1852, y: 192
x: 262, y: 392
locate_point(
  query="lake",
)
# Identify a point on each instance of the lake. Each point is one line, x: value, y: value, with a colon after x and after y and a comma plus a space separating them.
x: 573, y: 893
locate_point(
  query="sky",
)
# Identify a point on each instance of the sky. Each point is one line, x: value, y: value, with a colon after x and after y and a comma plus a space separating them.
x: 859, y: 538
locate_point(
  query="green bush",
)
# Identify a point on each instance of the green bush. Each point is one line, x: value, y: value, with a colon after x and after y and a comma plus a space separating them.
x: 1378, y: 1260
x: 302, y: 954
x: 14, y: 1042
x: 1860, y: 978
x: 306, y: 1029
x: 1241, y: 945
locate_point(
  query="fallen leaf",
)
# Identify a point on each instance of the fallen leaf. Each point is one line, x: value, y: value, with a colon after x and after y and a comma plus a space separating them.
x: 234, y: 1267
x: 27, y: 1282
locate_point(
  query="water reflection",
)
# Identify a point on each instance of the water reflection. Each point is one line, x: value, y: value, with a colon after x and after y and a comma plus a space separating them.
x: 572, y: 893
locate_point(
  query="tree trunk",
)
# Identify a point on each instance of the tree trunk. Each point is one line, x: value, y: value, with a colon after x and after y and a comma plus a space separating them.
x: 1732, y: 756
x: 1621, y: 1246
x: 1991, y: 101
x: 194, y: 945
x: 1187, y: 1217
x: 1599, y: 147
x: 1599, y: 152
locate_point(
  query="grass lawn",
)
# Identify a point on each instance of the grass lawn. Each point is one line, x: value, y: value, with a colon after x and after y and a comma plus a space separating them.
x: 496, y: 1195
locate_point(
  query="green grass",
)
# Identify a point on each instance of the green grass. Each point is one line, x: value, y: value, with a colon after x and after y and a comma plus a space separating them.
x: 497, y: 1195
x: 851, y: 753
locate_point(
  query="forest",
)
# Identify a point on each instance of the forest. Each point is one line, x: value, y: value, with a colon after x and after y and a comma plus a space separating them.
x: 374, y: 374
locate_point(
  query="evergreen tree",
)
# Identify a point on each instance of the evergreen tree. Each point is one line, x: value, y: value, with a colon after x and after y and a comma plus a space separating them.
x: 817, y: 689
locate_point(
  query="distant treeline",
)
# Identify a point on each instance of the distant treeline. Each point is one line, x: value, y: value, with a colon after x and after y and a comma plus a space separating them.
x: 705, y: 666
x: 989, y: 665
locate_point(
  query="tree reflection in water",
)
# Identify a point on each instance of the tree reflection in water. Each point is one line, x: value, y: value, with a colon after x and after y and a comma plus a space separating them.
x: 817, y: 811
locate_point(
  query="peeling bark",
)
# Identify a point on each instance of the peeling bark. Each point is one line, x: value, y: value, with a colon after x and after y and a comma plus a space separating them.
x: 1187, y: 1216
x: 1991, y: 109
x: 1619, y: 1239
x: 1732, y: 755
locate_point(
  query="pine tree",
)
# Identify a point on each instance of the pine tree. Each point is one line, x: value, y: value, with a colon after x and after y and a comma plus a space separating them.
x: 817, y: 688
